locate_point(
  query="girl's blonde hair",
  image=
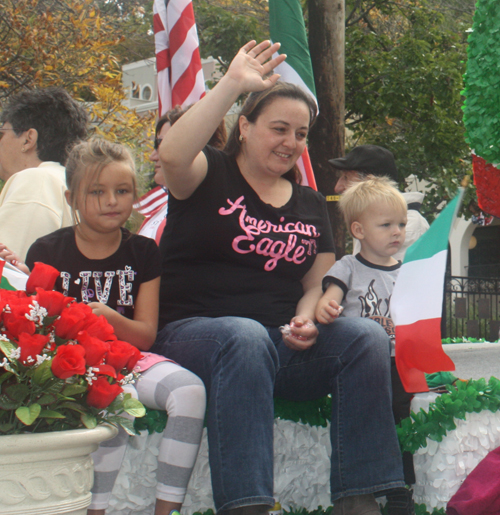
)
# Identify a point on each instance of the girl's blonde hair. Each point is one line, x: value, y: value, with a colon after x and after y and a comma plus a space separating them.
x: 361, y: 195
x: 86, y: 162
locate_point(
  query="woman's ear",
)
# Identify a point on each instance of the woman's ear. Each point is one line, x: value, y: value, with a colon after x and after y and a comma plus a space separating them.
x: 243, y: 123
x: 67, y: 195
x: 357, y: 230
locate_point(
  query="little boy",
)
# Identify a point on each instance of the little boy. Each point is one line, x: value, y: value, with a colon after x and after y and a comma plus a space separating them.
x: 375, y: 213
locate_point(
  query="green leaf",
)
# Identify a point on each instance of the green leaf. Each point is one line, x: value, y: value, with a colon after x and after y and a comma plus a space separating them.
x: 43, y: 373
x: 126, y: 423
x: 134, y: 407
x: 6, y: 428
x: 45, y: 413
x: 5, y: 375
x: 27, y: 415
x: 73, y: 406
x: 17, y: 392
x: 89, y: 421
x: 74, y: 389
x: 47, y: 399
x: 7, y: 348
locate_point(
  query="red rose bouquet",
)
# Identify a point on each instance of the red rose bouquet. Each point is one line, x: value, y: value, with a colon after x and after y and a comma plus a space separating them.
x: 61, y: 366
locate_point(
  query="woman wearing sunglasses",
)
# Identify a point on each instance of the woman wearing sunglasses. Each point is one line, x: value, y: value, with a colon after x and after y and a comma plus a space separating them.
x: 37, y: 130
x: 154, y: 204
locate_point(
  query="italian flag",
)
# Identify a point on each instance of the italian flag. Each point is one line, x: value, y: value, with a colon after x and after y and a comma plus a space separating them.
x: 417, y: 302
x: 11, y: 277
x: 286, y: 25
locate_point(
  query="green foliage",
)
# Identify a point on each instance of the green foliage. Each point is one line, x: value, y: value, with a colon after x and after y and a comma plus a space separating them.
x: 314, y: 413
x: 154, y: 421
x: 482, y: 94
x: 463, y: 397
x: 404, y: 66
x: 225, y: 26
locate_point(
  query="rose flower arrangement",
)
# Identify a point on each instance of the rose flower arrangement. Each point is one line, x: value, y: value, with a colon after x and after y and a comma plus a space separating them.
x: 61, y: 366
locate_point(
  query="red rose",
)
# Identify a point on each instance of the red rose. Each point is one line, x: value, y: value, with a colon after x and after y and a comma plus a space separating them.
x: 15, y: 320
x: 101, y: 394
x: 31, y: 346
x: 7, y: 296
x: 99, y: 327
x: 135, y: 356
x: 68, y: 361
x: 72, y: 320
x: 44, y: 276
x: 108, y: 370
x: 95, y: 349
x: 120, y: 354
x: 53, y: 301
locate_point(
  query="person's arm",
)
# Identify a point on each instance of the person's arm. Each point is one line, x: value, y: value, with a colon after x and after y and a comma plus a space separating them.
x: 328, y: 308
x: 183, y: 163
x: 141, y: 331
x: 304, y: 332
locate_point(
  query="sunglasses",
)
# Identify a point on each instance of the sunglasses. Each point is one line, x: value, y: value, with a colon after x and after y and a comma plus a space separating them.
x: 157, y: 143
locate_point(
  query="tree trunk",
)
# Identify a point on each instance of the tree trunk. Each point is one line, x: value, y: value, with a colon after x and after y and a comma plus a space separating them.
x: 326, y: 139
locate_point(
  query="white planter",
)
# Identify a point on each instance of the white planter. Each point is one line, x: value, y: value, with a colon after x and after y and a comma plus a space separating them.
x: 49, y: 473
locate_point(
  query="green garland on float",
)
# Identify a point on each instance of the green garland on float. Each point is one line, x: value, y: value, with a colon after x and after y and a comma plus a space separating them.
x: 482, y: 82
x: 472, y: 396
x: 463, y: 397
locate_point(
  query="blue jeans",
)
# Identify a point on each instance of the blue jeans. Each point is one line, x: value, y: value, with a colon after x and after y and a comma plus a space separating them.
x: 244, y: 364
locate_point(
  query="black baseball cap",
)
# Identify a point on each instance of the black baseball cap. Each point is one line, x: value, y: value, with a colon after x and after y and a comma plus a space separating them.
x: 368, y: 159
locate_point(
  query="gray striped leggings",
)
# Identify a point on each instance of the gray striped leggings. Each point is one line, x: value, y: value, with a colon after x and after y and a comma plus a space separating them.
x: 165, y: 386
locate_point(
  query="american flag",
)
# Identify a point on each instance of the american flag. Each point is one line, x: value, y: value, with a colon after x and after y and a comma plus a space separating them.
x: 149, y: 203
x: 178, y: 63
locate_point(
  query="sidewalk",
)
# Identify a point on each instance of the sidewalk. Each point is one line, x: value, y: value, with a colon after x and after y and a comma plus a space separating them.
x: 475, y: 360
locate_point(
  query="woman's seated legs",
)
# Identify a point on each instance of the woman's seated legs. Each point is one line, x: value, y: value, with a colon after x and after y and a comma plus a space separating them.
x: 350, y: 360
x: 237, y: 361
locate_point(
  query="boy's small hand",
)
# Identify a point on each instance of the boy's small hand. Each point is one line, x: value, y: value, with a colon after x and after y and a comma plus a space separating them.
x: 329, y: 311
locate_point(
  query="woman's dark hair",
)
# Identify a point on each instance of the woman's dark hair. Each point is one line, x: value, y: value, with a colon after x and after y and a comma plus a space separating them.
x: 218, y: 139
x: 58, y: 119
x: 255, y: 105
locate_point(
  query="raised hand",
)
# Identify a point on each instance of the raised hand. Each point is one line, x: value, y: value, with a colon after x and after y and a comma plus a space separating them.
x: 252, y: 66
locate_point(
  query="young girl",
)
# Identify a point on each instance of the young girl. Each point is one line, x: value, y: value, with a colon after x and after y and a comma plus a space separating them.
x: 118, y: 274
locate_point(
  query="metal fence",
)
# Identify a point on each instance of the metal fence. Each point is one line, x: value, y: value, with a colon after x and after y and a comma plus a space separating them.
x: 471, y: 308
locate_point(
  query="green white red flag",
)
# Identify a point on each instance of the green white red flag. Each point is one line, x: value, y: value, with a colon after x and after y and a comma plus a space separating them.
x: 11, y: 277
x: 286, y: 25
x: 417, y: 303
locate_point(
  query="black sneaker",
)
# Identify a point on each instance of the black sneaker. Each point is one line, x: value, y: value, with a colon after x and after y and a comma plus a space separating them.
x: 400, y: 502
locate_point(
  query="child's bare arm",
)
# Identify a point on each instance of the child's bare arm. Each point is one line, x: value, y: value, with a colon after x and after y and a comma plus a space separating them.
x: 329, y: 308
x: 141, y: 331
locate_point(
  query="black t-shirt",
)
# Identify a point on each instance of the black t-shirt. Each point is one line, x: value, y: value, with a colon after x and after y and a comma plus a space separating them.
x: 114, y: 281
x: 227, y: 253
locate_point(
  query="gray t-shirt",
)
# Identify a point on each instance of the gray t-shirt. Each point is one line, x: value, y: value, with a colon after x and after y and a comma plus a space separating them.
x: 367, y: 289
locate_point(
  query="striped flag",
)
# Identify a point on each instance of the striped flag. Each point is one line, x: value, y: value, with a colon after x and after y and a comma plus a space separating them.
x: 153, y: 206
x: 149, y: 203
x: 11, y: 277
x: 178, y: 63
x: 286, y: 24
x: 417, y: 303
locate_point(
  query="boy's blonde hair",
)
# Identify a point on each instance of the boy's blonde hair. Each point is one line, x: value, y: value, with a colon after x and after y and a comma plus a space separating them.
x: 361, y: 195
